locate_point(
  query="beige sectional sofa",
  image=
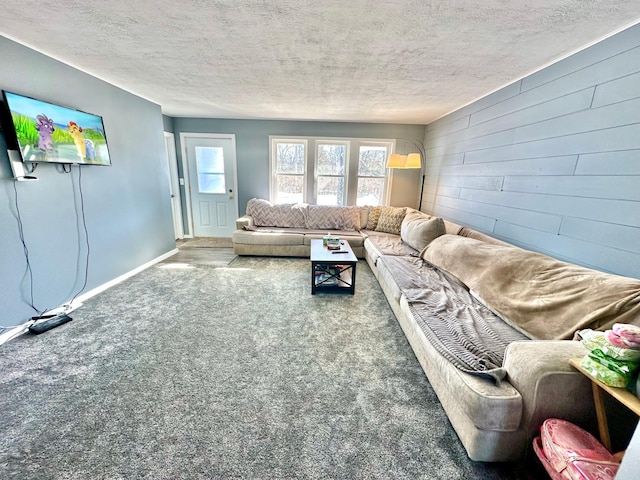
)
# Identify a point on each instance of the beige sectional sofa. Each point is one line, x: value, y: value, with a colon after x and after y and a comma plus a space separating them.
x: 287, y: 230
x: 495, y: 412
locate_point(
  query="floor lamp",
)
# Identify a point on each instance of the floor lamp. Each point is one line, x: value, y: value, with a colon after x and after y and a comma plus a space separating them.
x: 411, y: 160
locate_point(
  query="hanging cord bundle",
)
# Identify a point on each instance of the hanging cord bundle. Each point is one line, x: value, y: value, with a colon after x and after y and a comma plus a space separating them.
x: 29, y: 271
x: 86, y: 237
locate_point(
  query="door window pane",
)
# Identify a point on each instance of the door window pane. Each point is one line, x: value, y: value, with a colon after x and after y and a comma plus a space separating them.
x: 210, y: 167
x: 211, y: 183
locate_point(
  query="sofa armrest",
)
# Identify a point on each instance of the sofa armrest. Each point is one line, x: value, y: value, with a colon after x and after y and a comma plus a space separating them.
x: 549, y: 385
x: 245, y: 220
x: 537, y: 357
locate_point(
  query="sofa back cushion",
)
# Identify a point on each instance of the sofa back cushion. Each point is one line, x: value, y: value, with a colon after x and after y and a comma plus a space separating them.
x: 331, y: 217
x: 364, y: 216
x: 418, y: 229
x: 544, y: 297
x: 470, y: 233
x: 453, y: 228
x: 267, y: 214
x: 372, y: 219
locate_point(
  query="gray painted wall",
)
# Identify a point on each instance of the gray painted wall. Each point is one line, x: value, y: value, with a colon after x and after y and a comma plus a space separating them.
x: 552, y: 161
x: 252, y: 147
x: 167, y: 123
x: 128, y: 211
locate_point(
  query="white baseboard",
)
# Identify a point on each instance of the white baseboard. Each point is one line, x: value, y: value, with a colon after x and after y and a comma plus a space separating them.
x: 13, y: 333
x: 66, y: 308
x: 91, y: 293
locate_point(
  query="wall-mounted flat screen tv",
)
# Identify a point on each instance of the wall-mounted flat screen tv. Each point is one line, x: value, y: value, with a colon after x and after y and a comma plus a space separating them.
x: 50, y: 133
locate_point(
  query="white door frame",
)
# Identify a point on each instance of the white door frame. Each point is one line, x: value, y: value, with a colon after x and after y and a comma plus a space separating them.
x: 176, y: 200
x: 185, y: 169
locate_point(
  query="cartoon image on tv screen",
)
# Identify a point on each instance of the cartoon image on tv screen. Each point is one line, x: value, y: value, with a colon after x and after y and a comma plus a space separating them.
x: 51, y: 133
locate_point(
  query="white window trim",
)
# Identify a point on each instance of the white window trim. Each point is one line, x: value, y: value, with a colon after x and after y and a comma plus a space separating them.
x: 347, y: 163
x: 351, y: 168
x: 391, y: 146
x: 273, y: 141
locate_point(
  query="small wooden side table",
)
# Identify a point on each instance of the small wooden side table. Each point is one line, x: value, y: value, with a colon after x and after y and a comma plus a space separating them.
x: 622, y: 395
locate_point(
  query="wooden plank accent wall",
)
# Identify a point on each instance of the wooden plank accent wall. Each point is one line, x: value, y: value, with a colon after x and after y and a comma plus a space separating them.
x: 551, y: 162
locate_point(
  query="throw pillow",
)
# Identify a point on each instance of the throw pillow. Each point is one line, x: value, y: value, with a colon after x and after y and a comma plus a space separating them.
x: 391, y: 219
x: 418, y: 230
x: 374, y: 216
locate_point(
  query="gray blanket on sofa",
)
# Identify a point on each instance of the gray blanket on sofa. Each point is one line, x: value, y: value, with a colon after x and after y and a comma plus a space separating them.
x: 457, y: 325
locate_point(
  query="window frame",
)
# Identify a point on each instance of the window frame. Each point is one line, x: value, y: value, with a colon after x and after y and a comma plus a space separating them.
x: 388, y: 175
x: 345, y: 175
x: 310, y: 176
x: 273, y: 174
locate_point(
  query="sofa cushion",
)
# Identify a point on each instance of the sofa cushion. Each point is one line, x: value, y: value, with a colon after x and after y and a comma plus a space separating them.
x: 379, y: 243
x: 374, y: 216
x: 364, y: 217
x: 544, y: 297
x: 267, y: 236
x: 391, y: 219
x: 355, y: 239
x: 488, y: 406
x: 418, y: 230
x: 332, y: 217
x: 267, y: 214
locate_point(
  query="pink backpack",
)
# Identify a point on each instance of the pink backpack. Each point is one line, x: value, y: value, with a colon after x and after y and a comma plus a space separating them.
x: 568, y: 452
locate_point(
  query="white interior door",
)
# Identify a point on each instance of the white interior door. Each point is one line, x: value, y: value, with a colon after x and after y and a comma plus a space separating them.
x: 211, y: 161
x: 174, y: 184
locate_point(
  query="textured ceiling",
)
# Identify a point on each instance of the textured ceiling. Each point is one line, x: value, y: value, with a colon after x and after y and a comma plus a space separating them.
x: 395, y: 61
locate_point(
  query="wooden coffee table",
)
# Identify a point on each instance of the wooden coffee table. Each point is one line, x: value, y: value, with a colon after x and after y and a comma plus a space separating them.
x: 333, y: 270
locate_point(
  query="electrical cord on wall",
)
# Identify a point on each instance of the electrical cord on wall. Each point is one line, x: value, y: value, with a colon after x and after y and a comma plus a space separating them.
x: 86, y: 237
x: 31, y: 302
x: 29, y: 271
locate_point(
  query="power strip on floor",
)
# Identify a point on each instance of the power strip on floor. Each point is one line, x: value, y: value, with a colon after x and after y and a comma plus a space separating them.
x: 47, y: 324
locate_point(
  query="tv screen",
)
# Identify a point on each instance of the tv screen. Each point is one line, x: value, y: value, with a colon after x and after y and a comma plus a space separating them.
x: 50, y: 133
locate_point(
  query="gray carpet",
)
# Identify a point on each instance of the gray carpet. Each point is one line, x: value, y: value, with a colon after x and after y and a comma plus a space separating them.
x: 233, y: 372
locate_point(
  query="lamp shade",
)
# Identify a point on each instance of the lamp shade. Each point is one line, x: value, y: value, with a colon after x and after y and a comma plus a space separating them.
x: 413, y: 161
x: 396, y: 160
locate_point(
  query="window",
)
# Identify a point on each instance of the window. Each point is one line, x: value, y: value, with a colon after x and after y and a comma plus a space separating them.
x: 210, y: 166
x: 331, y: 163
x: 332, y: 171
x: 372, y: 174
x: 288, y: 158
